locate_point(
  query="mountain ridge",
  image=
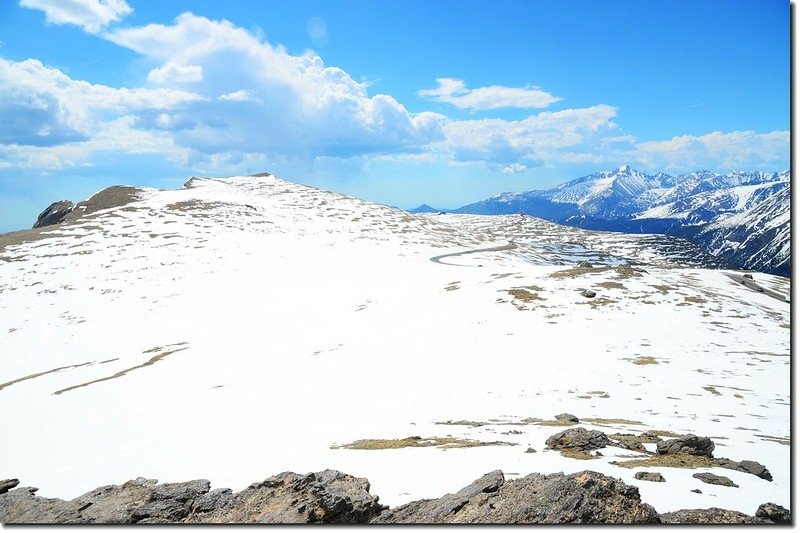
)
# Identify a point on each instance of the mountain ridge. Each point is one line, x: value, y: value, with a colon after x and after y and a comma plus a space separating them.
x: 701, y: 206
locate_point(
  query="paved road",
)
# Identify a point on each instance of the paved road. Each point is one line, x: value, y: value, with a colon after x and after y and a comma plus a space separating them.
x: 751, y: 284
x: 438, y: 258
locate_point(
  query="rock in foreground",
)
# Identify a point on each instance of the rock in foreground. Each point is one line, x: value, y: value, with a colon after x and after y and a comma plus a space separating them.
x: 582, y: 498
x: 325, y: 497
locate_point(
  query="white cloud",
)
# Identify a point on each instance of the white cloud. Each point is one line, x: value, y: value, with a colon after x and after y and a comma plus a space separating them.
x: 290, y: 104
x: 514, y: 168
x: 172, y: 72
x: 455, y: 92
x: 540, y: 137
x: 91, y: 15
x: 738, y: 150
x: 237, y: 96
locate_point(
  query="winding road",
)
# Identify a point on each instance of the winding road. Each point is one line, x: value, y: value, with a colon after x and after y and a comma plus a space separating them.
x: 438, y: 258
x: 750, y: 284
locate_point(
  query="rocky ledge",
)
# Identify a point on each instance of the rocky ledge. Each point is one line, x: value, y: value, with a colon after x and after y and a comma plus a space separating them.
x: 333, y: 497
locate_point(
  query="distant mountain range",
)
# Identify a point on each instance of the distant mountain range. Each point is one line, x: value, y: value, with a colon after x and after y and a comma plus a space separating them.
x: 741, y: 217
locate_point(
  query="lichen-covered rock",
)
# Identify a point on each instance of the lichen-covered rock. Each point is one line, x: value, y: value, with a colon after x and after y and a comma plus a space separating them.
x: 578, y: 438
x: 713, y: 515
x: 689, y: 444
x: 774, y: 513
x: 582, y: 498
x: 324, y: 497
x: 329, y: 497
x: 650, y: 476
x: 713, y: 479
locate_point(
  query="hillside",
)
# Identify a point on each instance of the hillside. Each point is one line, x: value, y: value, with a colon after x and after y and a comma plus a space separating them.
x: 241, y: 327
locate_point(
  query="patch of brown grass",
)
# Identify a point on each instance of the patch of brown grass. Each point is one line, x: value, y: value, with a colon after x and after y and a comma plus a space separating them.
x: 673, y: 460
x: 574, y: 453
x: 712, y: 390
x: 644, y: 360
x: 607, y: 421
x: 610, y: 285
x: 418, y: 442
x: 525, y: 294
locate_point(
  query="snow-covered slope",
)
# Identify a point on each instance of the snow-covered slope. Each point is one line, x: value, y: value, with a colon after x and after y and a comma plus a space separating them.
x: 242, y: 327
x: 701, y: 206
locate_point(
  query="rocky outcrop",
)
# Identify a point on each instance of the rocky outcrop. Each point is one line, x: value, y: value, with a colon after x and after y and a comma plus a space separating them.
x: 8, y: 484
x: 578, y: 438
x: 774, y: 513
x: 713, y: 515
x: 582, y: 498
x: 713, y: 479
x: 328, y: 497
x: 748, y: 467
x: 55, y: 213
x: 689, y: 444
x: 332, y: 497
x: 324, y: 497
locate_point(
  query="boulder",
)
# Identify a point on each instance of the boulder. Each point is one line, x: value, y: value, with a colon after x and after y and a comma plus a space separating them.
x: 713, y: 479
x: 588, y: 293
x: 578, y: 438
x: 8, y: 484
x: 567, y: 416
x: 774, y: 513
x: 650, y: 476
x: 689, y: 444
x: 713, y: 515
x: 748, y: 467
x: 55, y: 213
x: 582, y: 498
x: 584, y: 264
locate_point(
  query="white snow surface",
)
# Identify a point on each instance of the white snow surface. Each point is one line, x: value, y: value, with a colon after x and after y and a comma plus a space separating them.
x: 242, y: 327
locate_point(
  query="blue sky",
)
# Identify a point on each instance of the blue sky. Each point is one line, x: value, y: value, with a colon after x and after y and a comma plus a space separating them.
x: 444, y: 102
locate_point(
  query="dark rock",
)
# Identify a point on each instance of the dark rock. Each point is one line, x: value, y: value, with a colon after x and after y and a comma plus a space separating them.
x: 774, y: 513
x: 579, y: 438
x: 329, y: 497
x: 567, y: 416
x: 689, y: 444
x: 530, y: 450
x: 713, y: 479
x: 757, y: 469
x: 8, y: 484
x: 587, y: 293
x: 714, y: 515
x: 54, y: 214
x: 650, y: 476
x: 585, y: 497
x: 697, y: 491
x: 584, y: 264
x: 598, y: 454
x: 324, y: 497
x: 748, y: 467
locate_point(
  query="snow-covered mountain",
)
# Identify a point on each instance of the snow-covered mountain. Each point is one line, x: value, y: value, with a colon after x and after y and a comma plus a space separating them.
x: 708, y: 208
x: 240, y: 327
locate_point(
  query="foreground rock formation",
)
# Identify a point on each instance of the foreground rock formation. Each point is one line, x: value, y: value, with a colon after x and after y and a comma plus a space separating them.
x: 332, y: 497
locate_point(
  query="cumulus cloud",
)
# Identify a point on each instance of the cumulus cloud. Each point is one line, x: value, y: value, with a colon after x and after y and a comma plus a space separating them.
x: 514, y: 168
x: 91, y: 15
x: 237, y: 96
x: 455, y: 92
x: 172, y: 72
x: 287, y: 104
x: 717, y: 150
x: 543, y: 136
